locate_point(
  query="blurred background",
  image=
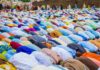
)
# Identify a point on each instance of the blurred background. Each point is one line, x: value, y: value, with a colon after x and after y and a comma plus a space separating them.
x: 58, y: 2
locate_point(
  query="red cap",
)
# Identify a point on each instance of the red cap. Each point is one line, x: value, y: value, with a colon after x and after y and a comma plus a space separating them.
x: 15, y: 45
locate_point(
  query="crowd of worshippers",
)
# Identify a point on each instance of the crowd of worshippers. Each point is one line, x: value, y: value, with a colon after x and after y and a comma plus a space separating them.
x: 50, y: 40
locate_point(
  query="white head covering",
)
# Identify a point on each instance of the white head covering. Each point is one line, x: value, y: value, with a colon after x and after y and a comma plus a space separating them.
x: 64, y: 55
x: 23, y: 61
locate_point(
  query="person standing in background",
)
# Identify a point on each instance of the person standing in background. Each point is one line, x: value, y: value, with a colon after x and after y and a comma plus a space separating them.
x: 48, y: 7
x: 93, y: 6
x: 1, y: 7
x: 54, y: 7
x: 61, y: 7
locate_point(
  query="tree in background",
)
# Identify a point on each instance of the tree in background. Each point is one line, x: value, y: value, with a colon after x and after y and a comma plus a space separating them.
x: 25, y: 0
